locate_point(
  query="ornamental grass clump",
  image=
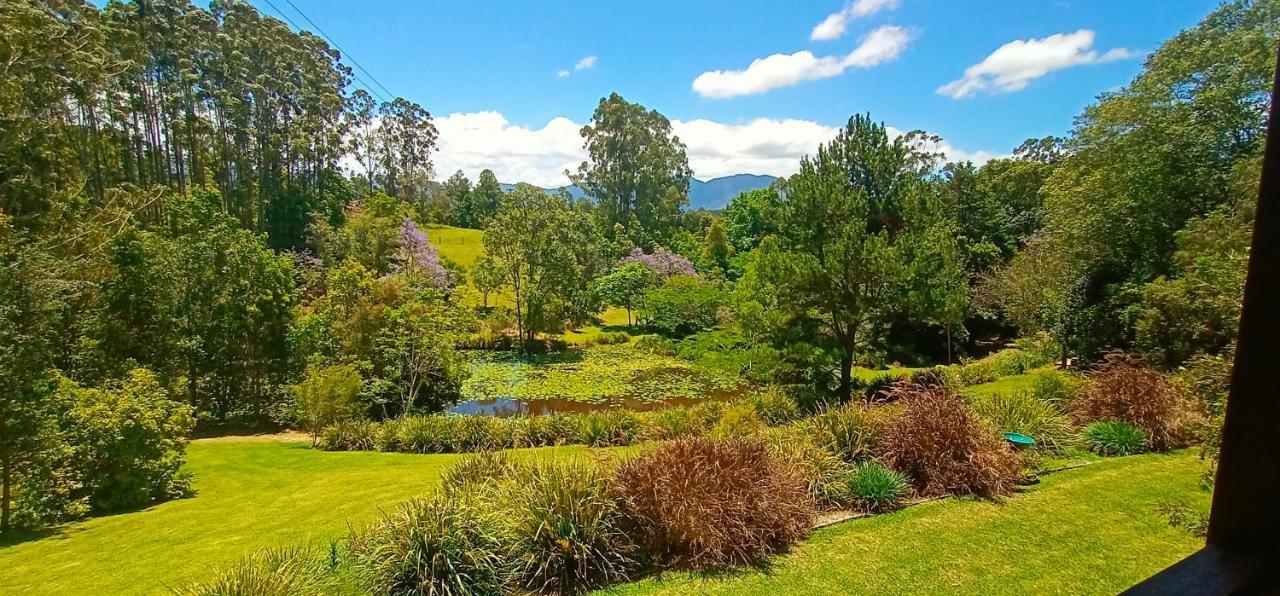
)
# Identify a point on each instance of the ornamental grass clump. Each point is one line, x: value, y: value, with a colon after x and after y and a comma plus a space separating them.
x: 1127, y: 391
x: 944, y: 448
x: 609, y: 428
x: 1114, y: 438
x: 670, y: 423
x: 704, y: 502
x: 442, y: 544
x: 875, y: 488
x: 475, y: 470
x: 822, y: 472
x: 349, y: 435
x: 851, y: 431
x: 775, y: 407
x: 1021, y: 412
x: 270, y: 572
x: 565, y: 526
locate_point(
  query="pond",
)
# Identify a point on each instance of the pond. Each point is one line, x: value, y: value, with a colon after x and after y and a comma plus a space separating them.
x: 503, y: 407
x: 587, y: 380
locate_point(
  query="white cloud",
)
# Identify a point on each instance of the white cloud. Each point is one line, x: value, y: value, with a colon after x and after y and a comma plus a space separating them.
x: 833, y: 26
x: 583, y: 64
x: 474, y: 141
x: 784, y: 70
x: 1015, y: 64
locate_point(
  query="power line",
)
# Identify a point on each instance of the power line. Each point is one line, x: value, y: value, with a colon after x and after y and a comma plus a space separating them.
x: 349, y: 55
x: 353, y: 73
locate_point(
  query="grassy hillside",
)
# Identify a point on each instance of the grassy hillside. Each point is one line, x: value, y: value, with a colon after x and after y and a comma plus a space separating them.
x: 462, y: 245
x: 1092, y: 530
x: 249, y: 493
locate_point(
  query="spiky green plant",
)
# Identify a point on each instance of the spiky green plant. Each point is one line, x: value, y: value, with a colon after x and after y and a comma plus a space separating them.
x: 1114, y: 438
x: 874, y: 487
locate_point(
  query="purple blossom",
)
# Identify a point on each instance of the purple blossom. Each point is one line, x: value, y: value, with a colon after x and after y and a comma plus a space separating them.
x: 662, y: 262
x: 418, y: 256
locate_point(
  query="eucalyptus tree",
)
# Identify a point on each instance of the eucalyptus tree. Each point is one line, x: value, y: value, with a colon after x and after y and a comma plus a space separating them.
x: 637, y: 169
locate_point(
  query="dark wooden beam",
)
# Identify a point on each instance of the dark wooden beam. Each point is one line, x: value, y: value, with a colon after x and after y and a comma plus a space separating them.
x: 1246, y: 496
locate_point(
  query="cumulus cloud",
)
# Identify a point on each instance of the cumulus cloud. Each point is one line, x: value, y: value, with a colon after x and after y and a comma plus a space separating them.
x: 785, y: 70
x: 474, y: 141
x: 1015, y: 64
x: 833, y: 26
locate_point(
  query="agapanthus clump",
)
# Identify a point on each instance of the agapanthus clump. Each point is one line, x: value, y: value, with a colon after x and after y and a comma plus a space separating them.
x: 417, y: 256
x: 662, y: 262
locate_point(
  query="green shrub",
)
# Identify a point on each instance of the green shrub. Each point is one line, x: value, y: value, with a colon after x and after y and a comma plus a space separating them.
x: 977, y: 373
x: 851, y: 431
x: 1055, y: 387
x: 774, y: 406
x: 1020, y: 412
x: 444, y: 544
x: 466, y: 434
x: 128, y: 441
x: 609, y: 428
x: 707, y: 413
x: 566, y: 528
x: 944, y: 448
x: 702, y: 501
x: 1114, y: 438
x: 607, y: 338
x: 738, y: 421
x: 327, y: 395
x: 655, y: 344
x: 270, y: 572
x: 874, y: 487
x: 387, y: 435
x: 670, y: 423
x: 420, y: 434
x: 682, y: 305
x: 351, y: 435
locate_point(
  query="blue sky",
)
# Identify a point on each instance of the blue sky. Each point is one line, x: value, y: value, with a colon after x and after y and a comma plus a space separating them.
x: 491, y: 72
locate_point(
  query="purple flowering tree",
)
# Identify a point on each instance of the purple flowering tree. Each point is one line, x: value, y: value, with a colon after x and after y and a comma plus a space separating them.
x: 663, y: 263
x: 417, y: 256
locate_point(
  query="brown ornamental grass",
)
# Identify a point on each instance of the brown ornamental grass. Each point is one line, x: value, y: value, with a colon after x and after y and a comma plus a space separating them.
x: 705, y: 502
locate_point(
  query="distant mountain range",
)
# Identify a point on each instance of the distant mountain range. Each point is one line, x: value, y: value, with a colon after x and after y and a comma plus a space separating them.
x: 710, y: 194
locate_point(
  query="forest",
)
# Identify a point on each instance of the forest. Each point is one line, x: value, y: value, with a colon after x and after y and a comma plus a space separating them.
x: 208, y: 229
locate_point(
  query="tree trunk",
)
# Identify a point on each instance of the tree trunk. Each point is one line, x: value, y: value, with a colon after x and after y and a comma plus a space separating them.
x: 948, y: 344
x: 5, y: 505
x: 846, y: 373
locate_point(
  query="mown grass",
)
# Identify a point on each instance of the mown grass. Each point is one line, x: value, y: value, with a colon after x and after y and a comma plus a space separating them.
x: 1091, y: 530
x: 250, y: 493
x: 870, y: 374
x: 1009, y: 384
x: 462, y: 245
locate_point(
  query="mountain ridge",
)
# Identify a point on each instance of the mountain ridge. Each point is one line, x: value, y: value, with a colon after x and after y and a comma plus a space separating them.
x: 713, y: 194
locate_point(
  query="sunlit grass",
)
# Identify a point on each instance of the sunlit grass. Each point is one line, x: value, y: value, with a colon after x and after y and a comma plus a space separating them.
x: 250, y: 493
x: 1091, y: 530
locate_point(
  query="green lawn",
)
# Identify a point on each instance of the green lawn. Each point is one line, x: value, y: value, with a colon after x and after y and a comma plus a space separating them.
x: 1089, y: 530
x: 250, y: 493
x: 1010, y: 384
x: 462, y: 245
